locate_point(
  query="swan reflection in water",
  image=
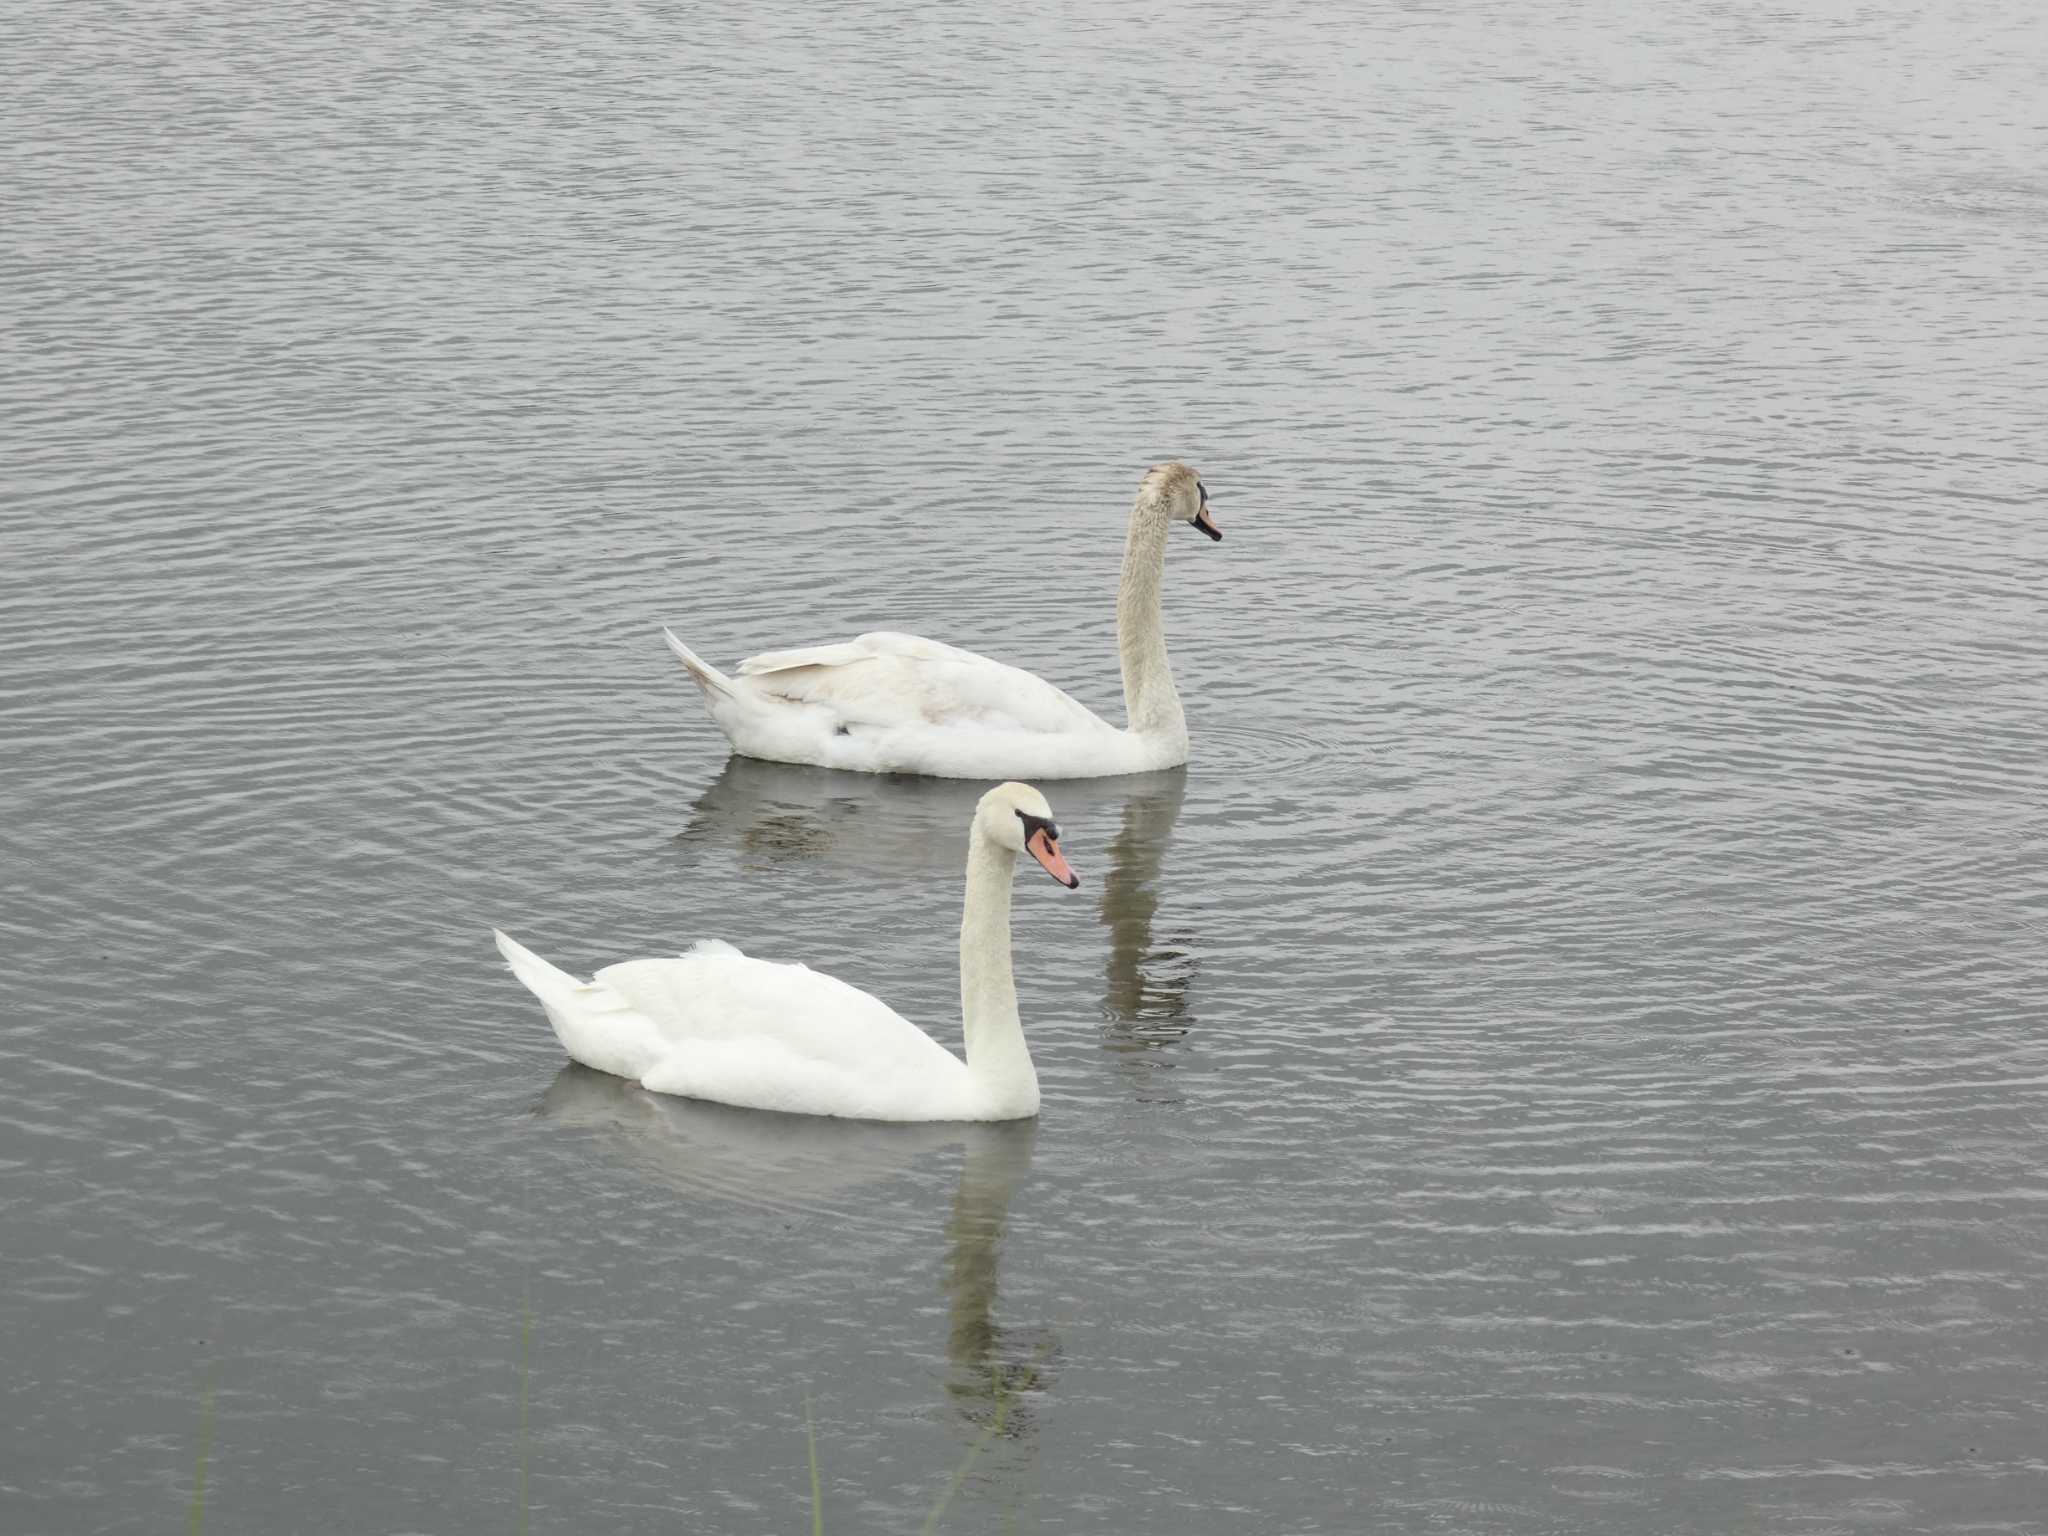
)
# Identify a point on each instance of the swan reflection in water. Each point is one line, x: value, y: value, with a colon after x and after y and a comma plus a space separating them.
x: 995, y: 1371
x: 1146, y: 1000
x: 781, y: 814
x: 775, y: 813
x: 806, y: 1163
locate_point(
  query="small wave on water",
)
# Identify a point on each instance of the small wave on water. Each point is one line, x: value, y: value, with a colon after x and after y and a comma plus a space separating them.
x: 1288, y: 753
x: 1987, y: 198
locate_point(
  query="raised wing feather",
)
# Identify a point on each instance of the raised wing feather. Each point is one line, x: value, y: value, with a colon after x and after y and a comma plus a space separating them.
x: 783, y: 1037
x: 724, y: 995
x: 890, y: 679
x: 876, y: 642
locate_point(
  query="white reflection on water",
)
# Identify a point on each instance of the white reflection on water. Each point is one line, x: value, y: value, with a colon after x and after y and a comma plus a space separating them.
x: 809, y: 1163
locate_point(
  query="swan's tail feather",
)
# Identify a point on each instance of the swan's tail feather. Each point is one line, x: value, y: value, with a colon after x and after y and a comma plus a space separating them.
x: 707, y: 677
x: 596, y: 1023
x: 551, y: 984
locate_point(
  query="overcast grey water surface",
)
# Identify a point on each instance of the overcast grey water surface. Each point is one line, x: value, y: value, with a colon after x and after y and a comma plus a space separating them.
x: 1566, y: 1056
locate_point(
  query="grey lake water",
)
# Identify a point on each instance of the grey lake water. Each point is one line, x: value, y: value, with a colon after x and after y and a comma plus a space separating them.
x: 1567, y: 1055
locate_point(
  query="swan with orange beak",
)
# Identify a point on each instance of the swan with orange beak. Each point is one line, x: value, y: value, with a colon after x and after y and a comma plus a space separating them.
x: 886, y: 702
x: 717, y: 1024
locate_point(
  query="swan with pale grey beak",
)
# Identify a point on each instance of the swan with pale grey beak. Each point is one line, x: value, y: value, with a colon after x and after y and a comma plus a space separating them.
x: 893, y: 703
x: 716, y: 1024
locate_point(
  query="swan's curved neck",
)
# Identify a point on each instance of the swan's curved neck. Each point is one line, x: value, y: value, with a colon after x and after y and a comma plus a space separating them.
x: 997, y: 1057
x: 1149, y: 698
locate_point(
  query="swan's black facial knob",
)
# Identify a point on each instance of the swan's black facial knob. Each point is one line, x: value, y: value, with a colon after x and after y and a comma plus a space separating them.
x: 1042, y: 842
x: 1043, y: 824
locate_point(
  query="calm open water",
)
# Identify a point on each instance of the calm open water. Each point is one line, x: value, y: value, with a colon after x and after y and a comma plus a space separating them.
x: 1567, y: 1056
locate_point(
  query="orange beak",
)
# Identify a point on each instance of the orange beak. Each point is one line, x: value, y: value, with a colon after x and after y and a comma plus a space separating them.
x: 1047, y: 852
x: 1207, y: 524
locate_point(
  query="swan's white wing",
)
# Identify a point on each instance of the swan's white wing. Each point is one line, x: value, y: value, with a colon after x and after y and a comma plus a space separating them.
x: 876, y: 642
x: 890, y: 680
x: 769, y: 1036
x: 597, y: 1025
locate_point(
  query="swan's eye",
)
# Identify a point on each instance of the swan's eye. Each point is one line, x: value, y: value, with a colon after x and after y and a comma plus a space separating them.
x: 1039, y: 824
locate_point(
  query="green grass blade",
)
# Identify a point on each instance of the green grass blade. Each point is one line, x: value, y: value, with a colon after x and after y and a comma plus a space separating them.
x: 931, y: 1521
x: 525, y: 1382
x: 811, y: 1441
x: 195, y: 1519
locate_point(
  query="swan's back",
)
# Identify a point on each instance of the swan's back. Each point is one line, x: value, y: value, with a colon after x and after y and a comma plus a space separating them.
x: 718, y: 1024
x: 718, y: 995
x: 884, y: 679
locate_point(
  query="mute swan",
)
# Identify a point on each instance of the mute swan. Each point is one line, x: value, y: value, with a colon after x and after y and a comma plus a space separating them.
x: 714, y: 1024
x: 891, y: 703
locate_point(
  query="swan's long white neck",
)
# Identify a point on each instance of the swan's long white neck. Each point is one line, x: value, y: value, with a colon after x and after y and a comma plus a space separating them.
x: 1150, y: 702
x: 997, y: 1057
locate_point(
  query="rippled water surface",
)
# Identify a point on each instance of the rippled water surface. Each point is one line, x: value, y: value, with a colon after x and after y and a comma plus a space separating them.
x: 1566, y: 1056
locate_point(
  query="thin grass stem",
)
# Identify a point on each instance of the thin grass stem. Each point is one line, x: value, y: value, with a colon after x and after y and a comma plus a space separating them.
x: 811, y: 1443
x: 931, y: 1521
x: 195, y: 1517
x: 525, y: 1382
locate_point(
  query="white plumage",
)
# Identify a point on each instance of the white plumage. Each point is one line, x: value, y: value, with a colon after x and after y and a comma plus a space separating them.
x: 717, y: 1024
x: 885, y: 702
